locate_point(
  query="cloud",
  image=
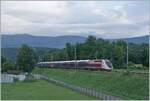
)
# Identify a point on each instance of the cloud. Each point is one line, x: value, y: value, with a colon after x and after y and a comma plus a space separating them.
x: 108, y: 19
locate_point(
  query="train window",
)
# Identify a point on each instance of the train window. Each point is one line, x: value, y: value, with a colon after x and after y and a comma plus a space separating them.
x: 108, y: 63
x: 97, y: 61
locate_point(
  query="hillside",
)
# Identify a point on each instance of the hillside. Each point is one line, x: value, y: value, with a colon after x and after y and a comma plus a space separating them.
x: 11, y: 53
x: 136, y: 40
x: 39, y: 41
x: 54, y: 42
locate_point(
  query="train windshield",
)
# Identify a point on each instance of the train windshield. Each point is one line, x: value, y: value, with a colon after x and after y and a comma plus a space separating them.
x: 109, y: 64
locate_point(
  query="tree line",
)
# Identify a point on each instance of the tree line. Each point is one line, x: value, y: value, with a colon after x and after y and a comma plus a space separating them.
x: 92, y: 48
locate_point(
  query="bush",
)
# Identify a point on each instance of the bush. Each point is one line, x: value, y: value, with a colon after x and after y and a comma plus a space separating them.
x: 16, y: 79
x: 133, y: 66
x: 8, y: 65
x: 131, y: 63
x: 30, y: 78
x: 127, y: 72
x: 137, y: 67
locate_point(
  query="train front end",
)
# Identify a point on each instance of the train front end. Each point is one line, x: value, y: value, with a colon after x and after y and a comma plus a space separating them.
x: 107, y: 65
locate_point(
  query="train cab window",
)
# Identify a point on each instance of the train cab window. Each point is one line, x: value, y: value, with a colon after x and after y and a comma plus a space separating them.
x: 108, y: 63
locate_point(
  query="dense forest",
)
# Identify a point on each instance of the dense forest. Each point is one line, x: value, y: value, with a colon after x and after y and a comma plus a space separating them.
x: 92, y: 48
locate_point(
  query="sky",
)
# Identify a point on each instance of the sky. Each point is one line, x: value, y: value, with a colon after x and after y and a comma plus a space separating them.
x: 106, y: 19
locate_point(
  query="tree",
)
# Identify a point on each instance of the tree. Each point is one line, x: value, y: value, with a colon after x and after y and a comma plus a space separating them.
x: 118, y: 55
x: 3, y: 60
x: 145, y: 56
x: 90, y: 47
x: 78, y: 51
x: 69, y: 51
x: 26, y: 58
x: 91, y: 40
x: 6, y: 64
x: 47, y: 57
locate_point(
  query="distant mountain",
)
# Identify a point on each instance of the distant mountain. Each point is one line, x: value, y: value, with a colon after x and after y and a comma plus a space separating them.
x: 15, y: 41
x: 136, y: 40
x: 38, y: 41
x: 11, y: 53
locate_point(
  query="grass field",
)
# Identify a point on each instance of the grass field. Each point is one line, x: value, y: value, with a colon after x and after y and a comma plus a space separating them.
x: 126, y: 86
x: 132, y: 71
x: 38, y: 90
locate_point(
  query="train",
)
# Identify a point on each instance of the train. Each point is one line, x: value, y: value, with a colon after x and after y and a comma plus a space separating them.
x: 101, y: 64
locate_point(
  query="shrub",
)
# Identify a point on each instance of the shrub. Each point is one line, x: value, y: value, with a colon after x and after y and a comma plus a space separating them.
x: 127, y: 72
x: 16, y: 79
x: 30, y: 78
x: 133, y: 66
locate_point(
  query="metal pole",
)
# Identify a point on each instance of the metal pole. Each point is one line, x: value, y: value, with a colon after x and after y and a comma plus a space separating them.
x: 66, y: 55
x: 75, y: 58
x: 51, y: 56
x: 127, y: 55
x: 96, y: 55
x: 39, y: 59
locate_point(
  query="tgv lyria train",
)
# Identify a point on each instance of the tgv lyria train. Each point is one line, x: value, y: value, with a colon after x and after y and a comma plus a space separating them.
x: 102, y: 64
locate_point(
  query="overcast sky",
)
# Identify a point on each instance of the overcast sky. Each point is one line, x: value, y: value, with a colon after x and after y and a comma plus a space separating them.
x: 107, y: 19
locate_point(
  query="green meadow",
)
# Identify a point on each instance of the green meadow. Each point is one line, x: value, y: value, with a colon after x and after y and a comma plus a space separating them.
x: 38, y: 90
x: 121, y: 84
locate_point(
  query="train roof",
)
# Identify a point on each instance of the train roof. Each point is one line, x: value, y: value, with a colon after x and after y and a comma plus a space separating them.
x: 63, y: 61
x: 47, y: 62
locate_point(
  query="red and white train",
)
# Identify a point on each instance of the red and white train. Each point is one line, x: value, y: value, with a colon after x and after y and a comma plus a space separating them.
x: 102, y: 64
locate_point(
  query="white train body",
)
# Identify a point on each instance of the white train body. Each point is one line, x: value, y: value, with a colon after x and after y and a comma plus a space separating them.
x: 102, y: 64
